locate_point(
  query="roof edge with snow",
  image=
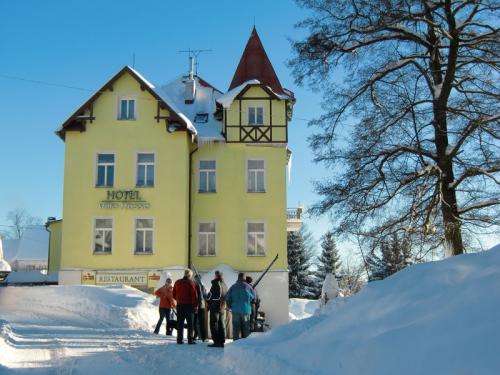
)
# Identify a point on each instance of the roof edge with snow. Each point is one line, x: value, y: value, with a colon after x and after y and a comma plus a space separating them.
x: 77, y: 121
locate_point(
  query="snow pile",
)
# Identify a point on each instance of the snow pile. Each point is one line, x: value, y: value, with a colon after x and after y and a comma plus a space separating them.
x: 299, y: 308
x: 80, y: 305
x: 433, y: 318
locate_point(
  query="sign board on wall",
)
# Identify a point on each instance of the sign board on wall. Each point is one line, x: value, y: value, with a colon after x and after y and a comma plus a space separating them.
x: 129, y: 278
x: 127, y: 198
x: 88, y: 278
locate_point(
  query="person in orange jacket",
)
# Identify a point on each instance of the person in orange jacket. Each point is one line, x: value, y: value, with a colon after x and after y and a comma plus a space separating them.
x: 167, y: 303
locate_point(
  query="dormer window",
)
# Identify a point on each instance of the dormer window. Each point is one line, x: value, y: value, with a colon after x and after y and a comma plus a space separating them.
x: 126, y: 109
x: 255, y: 115
x: 201, y: 118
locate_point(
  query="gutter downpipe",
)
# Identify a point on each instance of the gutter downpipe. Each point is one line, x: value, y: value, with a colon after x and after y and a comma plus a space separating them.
x: 190, y: 205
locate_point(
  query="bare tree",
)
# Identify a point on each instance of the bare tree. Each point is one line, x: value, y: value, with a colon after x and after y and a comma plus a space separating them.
x: 420, y: 88
x: 20, y: 219
x: 351, y: 277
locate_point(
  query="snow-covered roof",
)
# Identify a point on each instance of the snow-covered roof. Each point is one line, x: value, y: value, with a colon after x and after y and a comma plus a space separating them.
x: 69, y: 124
x: 227, y: 99
x: 204, y: 102
x: 34, y: 245
x: 10, y: 248
x: 151, y: 86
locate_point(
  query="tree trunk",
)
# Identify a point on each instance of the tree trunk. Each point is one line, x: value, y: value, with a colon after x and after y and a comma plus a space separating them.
x: 451, y: 218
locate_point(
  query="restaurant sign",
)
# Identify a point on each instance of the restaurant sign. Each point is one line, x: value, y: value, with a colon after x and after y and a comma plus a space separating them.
x: 129, y: 278
x: 123, y: 199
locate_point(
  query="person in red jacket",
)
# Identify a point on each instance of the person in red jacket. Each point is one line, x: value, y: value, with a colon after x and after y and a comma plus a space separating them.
x: 167, y: 303
x: 187, y: 304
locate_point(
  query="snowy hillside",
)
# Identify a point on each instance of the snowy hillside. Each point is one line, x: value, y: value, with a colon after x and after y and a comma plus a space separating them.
x: 433, y: 318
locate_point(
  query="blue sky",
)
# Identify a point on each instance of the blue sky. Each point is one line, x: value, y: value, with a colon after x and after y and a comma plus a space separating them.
x: 83, y: 43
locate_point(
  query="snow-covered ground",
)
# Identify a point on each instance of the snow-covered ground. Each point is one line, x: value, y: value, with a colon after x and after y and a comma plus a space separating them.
x: 88, y: 329
x: 435, y: 318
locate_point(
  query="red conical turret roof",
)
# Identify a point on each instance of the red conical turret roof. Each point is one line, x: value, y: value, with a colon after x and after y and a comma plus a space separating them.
x: 254, y: 64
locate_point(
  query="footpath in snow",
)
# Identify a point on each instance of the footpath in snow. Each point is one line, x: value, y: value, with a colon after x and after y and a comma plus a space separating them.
x: 434, y: 318
x: 90, y: 330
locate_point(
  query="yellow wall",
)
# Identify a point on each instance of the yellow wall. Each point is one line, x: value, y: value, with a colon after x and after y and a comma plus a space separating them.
x: 168, y: 199
x: 251, y: 98
x: 231, y: 206
x: 55, y: 229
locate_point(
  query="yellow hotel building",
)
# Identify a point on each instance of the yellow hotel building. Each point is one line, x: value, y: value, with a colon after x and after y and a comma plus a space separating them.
x: 159, y: 178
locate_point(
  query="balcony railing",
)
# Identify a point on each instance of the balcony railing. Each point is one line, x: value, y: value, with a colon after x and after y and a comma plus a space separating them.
x: 294, y: 218
x: 294, y: 213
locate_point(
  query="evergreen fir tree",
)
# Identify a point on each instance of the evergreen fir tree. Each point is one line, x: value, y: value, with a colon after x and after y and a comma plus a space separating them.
x: 388, y: 259
x: 328, y: 261
x: 300, y: 247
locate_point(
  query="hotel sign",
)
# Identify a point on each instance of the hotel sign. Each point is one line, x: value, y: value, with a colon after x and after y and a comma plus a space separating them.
x: 123, y: 199
x: 130, y: 278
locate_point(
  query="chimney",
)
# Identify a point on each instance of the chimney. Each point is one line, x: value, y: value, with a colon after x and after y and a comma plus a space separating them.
x: 190, y: 84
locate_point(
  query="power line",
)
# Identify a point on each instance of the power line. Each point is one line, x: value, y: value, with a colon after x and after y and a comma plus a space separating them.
x: 101, y: 92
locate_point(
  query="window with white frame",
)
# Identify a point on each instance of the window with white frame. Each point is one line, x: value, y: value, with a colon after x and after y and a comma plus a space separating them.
x: 103, y: 236
x: 256, y: 174
x: 143, y: 236
x: 208, y: 172
x: 105, y: 170
x: 126, y: 108
x: 206, y: 239
x: 255, y: 115
x: 256, y: 238
x: 145, y: 170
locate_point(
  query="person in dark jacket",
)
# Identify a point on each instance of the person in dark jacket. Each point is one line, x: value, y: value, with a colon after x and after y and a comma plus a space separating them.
x: 217, y: 306
x: 239, y: 298
x: 200, y: 331
x: 255, y: 305
x: 167, y: 303
x: 187, y: 304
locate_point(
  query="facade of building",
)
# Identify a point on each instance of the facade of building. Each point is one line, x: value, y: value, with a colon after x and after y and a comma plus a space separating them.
x: 159, y: 178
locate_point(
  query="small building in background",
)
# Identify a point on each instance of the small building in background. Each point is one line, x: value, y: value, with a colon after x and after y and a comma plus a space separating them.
x: 4, y: 265
x: 30, y: 252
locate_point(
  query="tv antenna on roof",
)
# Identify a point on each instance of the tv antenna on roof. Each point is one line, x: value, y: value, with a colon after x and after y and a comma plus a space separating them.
x: 193, y: 58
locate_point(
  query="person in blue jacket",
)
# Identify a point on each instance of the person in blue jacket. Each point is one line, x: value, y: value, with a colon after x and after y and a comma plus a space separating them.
x: 239, y: 298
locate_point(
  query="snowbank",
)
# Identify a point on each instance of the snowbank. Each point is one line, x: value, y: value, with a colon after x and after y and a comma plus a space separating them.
x: 433, y: 318
x: 80, y: 305
x: 299, y: 308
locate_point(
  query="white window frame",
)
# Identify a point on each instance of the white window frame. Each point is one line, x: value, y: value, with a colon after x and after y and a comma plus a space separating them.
x: 135, y: 252
x: 94, y: 229
x: 246, y: 237
x: 206, y: 170
x: 145, y: 163
x: 96, y: 166
x: 198, y: 233
x: 247, y: 172
x: 119, y: 107
x: 255, y: 115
